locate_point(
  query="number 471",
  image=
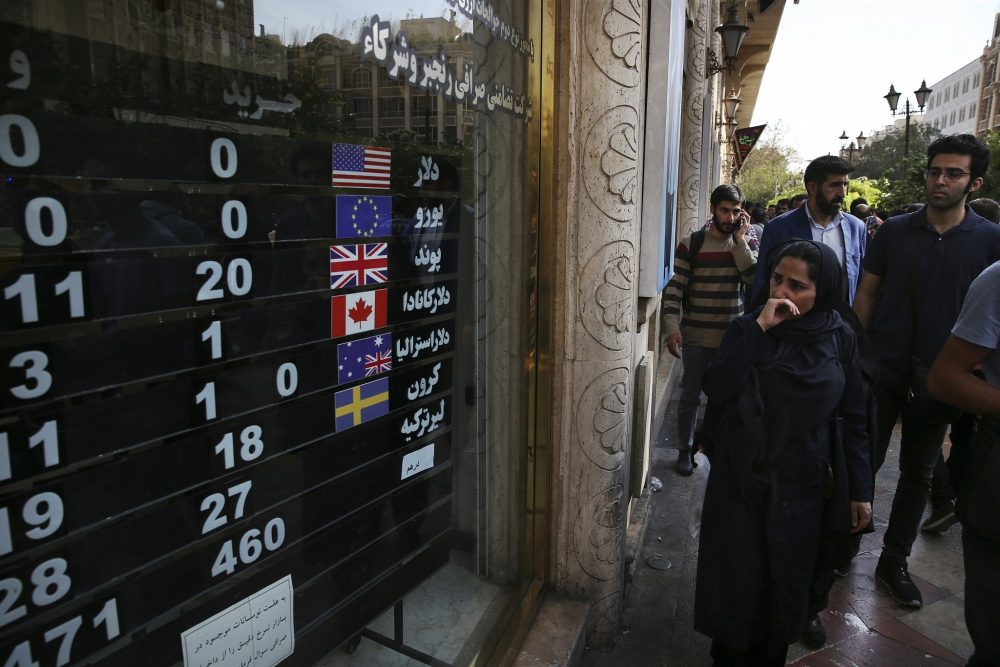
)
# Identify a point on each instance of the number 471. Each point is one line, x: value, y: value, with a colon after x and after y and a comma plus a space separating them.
x: 21, y: 656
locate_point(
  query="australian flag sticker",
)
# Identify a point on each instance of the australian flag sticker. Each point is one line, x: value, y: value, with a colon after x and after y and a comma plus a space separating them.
x: 357, y: 405
x: 365, y: 357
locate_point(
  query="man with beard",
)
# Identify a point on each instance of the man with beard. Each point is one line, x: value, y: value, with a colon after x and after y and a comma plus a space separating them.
x: 917, y: 272
x: 819, y: 219
x: 702, y: 298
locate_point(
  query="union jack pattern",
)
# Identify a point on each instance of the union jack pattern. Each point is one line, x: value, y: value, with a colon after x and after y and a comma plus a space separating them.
x: 379, y: 362
x: 356, y: 265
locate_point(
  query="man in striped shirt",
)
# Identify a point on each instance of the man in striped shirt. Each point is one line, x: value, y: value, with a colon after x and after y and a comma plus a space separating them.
x: 702, y: 298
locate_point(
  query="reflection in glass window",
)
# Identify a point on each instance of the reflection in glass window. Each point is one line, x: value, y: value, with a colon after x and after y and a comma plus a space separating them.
x: 283, y: 300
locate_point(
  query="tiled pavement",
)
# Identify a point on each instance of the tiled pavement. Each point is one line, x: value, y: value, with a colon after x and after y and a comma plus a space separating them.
x: 866, y: 628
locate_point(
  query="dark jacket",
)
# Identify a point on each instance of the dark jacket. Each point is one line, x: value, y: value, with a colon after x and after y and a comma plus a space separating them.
x: 795, y: 224
x: 764, y: 505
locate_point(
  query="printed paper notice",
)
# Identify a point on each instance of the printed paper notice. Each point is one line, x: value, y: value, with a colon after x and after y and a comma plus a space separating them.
x: 418, y: 461
x: 256, y: 632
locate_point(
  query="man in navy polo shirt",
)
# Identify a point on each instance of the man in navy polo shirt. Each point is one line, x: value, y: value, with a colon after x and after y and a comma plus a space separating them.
x: 916, y: 273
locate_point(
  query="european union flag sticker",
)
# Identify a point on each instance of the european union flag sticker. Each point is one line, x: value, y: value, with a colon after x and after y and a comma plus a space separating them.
x: 361, y: 404
x: 363, y: 216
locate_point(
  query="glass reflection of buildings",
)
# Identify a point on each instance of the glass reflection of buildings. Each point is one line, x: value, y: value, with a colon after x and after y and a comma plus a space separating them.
x: 357, y: 96
x: 372, y: 104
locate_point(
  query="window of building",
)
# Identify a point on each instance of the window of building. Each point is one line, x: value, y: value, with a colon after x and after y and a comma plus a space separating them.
x: 362, y: 107
x: 975, y: 80
x: 972, y: 110
x: 961, y: 114
x: 423, y: 104
x: 947, y: 94
x: 361, y: 77
x: 952, y: 121
x: 391, y: 107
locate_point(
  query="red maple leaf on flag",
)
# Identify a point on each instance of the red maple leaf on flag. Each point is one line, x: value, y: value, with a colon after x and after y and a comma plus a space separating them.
x: 360, y: 311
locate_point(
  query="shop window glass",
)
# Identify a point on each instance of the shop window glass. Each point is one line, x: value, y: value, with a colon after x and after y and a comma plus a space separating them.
x: 270, y: 342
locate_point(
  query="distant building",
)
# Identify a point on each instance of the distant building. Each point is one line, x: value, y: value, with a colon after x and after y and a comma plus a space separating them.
x: 988, y: 117
x: 952, y: 106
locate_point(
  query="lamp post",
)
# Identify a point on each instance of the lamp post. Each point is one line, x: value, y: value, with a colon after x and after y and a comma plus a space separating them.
x: 732, y: 33
x: 847, y: 151
x: 892, y: 97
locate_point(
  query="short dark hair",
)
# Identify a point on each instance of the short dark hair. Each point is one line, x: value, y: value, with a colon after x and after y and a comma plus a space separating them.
x: 798, y: 198
x: 726, y: 192
x: 987, y: 208
x: 962, y: 144
x: 824, y: 166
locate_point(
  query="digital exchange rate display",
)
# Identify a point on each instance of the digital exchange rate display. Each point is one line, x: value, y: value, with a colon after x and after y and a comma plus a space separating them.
x: 249, y: 395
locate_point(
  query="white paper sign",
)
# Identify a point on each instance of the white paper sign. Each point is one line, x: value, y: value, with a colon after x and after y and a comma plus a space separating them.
x: 256, y: 632
x: 418, y: 461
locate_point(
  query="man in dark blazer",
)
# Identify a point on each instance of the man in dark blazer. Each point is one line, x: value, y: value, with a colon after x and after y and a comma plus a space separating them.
x: 819, y: 219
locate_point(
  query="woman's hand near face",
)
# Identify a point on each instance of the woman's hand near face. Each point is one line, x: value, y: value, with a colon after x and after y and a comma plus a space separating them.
x: 775, y: 312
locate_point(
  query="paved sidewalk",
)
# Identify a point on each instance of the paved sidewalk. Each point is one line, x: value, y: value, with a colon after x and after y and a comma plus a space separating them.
x: 865, y: 626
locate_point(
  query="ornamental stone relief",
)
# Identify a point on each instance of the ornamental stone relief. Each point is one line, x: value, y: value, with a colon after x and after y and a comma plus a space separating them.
x: 606, y: 295
x: 599, y: 534
x: 605, y: 615
x: 614, y: 38
x: 602, y: 419
x: 610, y: 168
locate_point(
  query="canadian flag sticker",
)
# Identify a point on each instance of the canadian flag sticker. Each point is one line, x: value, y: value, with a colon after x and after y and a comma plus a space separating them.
x: 358, y: 312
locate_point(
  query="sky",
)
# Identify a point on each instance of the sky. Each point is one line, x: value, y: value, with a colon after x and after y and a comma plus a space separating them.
x: 833, y: 60
x: 308, y: 18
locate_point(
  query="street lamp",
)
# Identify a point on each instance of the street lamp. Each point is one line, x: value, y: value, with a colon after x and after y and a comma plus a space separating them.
x: 847, y: 151
x: 732, y: 33
x: 892, y: 97
x: 731, y: 104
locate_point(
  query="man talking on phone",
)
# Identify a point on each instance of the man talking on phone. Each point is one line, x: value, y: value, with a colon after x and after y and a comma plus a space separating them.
x: 702, y: 298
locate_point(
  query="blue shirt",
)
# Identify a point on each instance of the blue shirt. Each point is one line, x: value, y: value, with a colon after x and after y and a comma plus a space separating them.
x: 946, y: 265
x: 831, y: 235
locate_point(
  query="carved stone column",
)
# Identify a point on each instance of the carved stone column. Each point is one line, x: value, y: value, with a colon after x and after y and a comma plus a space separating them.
x: 692, y: 126
x: 597, y: 137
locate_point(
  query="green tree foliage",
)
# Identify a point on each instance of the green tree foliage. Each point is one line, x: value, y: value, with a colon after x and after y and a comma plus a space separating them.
x: 991, y: 188
x: 883, y: 157
x: 865, y: 188
x: 767, y: 175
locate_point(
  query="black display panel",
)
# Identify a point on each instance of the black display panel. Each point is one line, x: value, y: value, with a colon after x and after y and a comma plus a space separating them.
x: 235, y: 331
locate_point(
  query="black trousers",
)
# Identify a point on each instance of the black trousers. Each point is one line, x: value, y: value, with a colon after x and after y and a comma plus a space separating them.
x: 756, y: 656
x: 982, y: 591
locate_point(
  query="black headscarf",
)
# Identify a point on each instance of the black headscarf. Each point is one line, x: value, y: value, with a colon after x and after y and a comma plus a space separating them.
x: 800, y: 383
x: 823, y: 319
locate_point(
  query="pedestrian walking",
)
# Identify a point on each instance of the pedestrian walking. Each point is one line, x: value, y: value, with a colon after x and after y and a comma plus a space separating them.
x: 789, y: 453
x: 702, y: 298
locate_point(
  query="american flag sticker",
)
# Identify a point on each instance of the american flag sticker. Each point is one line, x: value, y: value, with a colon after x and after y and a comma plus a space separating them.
x: 357, y: 166
x: 357, y: 265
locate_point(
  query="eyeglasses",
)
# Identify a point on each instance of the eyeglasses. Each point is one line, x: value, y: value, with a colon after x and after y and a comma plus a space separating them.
x: 950, y: 175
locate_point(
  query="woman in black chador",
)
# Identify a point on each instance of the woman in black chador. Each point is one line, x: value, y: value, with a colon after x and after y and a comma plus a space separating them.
x: 789, y: 453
